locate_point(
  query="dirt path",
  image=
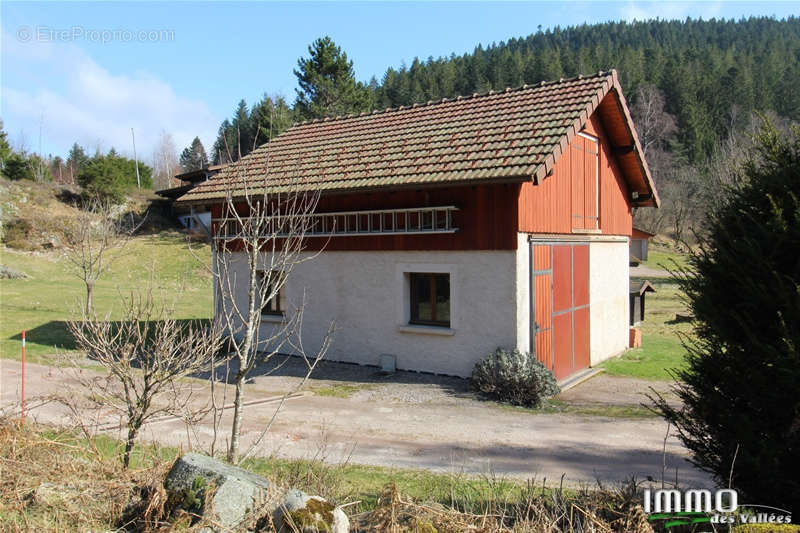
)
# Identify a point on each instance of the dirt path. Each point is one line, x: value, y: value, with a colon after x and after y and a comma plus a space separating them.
x: 417, y: 421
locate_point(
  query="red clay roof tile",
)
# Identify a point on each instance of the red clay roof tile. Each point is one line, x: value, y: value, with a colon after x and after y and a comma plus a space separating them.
x: 500, y: 135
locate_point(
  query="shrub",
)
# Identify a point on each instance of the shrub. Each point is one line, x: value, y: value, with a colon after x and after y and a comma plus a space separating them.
x: 17, y: 234
x: 741, y: 408
x: 514, y: 377
x: 106, y: 178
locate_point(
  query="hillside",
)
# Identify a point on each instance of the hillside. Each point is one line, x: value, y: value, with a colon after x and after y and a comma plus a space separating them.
x: 33, y: 218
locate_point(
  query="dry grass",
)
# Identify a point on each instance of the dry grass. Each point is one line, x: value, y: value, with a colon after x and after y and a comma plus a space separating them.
x: 51, y: 481
x: 55, y: 480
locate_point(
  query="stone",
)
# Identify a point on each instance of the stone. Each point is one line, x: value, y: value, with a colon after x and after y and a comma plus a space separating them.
x: 10, y: 273
x: 309, y: 514
x: 53, y: 494
x: 235, y: 491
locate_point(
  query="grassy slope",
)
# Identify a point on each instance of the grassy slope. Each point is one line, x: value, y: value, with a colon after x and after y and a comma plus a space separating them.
x: 51, y: 295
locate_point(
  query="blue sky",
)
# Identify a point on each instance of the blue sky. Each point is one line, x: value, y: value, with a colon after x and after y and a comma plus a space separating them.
x: 181, y: 67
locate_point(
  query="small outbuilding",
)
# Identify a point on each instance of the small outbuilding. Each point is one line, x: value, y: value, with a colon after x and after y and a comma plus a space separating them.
x: 640, y: 240
x: 501, y: 219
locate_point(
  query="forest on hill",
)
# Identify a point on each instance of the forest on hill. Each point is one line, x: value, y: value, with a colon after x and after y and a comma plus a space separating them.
x: 706, y: 71
x: 697, y: 90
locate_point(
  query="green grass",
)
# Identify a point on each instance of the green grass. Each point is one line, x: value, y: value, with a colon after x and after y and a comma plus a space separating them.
x: 661, y: 349
x: 555, y: 406
x: 51, y: 295
x: 340, y: 390
x: 665, y: 258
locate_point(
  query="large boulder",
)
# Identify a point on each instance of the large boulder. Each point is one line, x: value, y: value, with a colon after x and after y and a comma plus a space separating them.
x: 309, y: 514
x: 231, y: 492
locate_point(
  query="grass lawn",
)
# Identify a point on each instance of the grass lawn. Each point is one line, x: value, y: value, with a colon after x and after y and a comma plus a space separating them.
x: 665, y: 258
x: 661, y: 347
x: 43, y: 302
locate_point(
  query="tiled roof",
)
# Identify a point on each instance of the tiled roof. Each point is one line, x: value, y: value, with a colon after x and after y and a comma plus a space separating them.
x: 513, y: 135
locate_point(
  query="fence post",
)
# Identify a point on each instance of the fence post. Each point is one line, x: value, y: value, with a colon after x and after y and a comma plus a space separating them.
x: 23, y: 377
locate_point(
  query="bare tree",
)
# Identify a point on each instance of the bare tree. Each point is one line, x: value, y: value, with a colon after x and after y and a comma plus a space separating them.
x: 260, y: 240
x: 165, y: 161
x: 94, y: 239
x: 146, y: 355
x: 653, y: 124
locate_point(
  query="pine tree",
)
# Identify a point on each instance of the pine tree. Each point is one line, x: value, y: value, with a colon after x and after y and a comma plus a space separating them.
x: 76, y: 160
x: 327, y: 83
x: 194, y: 156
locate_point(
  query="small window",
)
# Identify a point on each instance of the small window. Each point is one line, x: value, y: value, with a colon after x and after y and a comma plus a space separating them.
x: 268, y: 282
x: 430, y: 299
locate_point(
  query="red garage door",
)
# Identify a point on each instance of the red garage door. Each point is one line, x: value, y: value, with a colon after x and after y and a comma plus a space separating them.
x: 561, y: 306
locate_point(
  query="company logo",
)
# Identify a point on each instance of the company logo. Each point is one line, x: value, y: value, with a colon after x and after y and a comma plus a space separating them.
x: 698, y: 506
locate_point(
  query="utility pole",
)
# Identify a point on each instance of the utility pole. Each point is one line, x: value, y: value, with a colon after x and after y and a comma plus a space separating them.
x: 138, y: 182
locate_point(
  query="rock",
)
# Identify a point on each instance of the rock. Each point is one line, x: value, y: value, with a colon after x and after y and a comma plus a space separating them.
x: 53, y: 494
x: 235, y: 491
x: 10, y: 273
x: 309, y: 514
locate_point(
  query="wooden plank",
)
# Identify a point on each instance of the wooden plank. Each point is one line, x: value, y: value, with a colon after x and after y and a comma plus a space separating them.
x: 562, y: 341
x: 580, y: 275
x: 562, y: 277
x: 581, y: 339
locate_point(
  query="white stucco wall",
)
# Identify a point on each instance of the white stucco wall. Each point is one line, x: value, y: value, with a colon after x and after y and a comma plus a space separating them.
x: 608, y: 288
x: 367, y: 295
x: 522, y: 291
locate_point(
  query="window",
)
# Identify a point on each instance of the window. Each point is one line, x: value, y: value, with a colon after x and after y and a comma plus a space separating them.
x: 268, y: 281
x: 430, y: 299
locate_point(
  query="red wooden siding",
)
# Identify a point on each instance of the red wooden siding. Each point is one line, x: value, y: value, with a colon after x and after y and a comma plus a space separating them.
x: 566, y: 200
x: 486, y: 219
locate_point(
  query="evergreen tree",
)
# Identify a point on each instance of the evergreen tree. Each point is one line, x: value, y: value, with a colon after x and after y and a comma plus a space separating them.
x: 271, y: 117
x: 327, y: 83
x: 740, y: 413
x: 107, y: 178
x: 5, y: 147
x: 76, y: 160
x: 194, y: 156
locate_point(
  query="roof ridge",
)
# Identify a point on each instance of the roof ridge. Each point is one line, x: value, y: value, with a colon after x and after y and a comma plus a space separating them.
x: 490, y: 92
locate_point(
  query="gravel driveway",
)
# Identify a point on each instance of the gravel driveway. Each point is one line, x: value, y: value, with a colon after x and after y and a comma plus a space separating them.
x: 410, y: 420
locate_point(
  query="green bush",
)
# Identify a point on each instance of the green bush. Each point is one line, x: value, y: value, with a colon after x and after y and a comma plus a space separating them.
x: 740, y: 413
x: 514, y: 377
x: 107, y: 178
x: 17, y: 167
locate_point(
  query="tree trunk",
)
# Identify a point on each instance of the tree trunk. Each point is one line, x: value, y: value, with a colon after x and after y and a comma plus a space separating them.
x: 126, y: 459
x: 89, y: 288
x: 233, y: 451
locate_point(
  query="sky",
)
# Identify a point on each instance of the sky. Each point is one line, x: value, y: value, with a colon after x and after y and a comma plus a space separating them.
x: 89, y: 72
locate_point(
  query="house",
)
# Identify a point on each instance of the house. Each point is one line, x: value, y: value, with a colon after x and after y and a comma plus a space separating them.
x: 639, y: 241
x: 500, y: 219
x: 189, y: 180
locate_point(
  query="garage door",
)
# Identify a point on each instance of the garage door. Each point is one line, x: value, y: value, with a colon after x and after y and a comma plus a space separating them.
x: 561, y: 306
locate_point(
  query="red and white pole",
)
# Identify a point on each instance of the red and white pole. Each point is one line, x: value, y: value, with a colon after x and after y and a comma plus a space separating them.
x: 23, y: 377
